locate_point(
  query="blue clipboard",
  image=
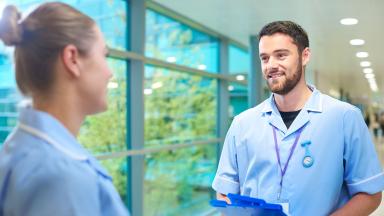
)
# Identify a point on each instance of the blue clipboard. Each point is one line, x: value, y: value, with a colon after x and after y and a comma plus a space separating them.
x: 247, y: 206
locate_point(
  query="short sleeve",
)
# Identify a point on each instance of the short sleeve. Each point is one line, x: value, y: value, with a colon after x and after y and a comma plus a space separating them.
x: 362, y: 171
x: 58, y: 188
x: 227, y: 177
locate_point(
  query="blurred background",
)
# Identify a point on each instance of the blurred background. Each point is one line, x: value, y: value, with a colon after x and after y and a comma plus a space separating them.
x: 183, y: 70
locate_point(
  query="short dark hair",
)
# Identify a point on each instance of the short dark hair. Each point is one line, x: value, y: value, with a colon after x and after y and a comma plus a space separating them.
x: 295, y: 31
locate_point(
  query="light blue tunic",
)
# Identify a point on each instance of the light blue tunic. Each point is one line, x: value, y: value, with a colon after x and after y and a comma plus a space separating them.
x: 345, y: 161
x: 38, y: 178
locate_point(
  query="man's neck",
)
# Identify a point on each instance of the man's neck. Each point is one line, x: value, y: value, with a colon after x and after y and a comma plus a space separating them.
x: 293, y: 100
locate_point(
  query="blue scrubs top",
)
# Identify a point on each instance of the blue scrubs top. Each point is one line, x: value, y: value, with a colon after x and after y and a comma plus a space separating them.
x: 345, y: 161
x: 38, y: 178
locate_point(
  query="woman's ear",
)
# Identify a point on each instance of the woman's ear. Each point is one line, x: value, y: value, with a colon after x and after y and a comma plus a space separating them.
x: 70, y: 57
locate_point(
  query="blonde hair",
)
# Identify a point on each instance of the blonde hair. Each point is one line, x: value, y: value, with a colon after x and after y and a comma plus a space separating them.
x: 40, y: 38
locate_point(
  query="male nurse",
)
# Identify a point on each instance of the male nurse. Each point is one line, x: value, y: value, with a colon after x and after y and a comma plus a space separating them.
x: 300, y: 148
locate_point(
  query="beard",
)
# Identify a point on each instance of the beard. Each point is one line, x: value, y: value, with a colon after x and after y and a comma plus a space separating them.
x: 284, y: 86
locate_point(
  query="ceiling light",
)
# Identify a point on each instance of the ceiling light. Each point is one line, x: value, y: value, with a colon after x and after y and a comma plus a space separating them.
x: 367, y: 70
x: 157, y: 85
x: 113, y: 85
x: 171, y: 59
x: 362, y: 54
x: 349, y: 21
x: 365, y: 64
x: 231, y: 88
x: 202, y: 67
x: 148, y: 91
x: 374, y: 88
x: 240, y: 77
x: 369, y: 76
x: 357, y: 42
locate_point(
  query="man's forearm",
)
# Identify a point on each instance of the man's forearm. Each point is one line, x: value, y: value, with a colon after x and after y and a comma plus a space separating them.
x: 361, y: 204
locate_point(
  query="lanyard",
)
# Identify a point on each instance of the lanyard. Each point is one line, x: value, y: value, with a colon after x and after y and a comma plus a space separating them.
x: 289, y: 157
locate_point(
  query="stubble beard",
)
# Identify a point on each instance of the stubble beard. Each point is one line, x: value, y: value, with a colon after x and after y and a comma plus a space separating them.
x: 284, y: 86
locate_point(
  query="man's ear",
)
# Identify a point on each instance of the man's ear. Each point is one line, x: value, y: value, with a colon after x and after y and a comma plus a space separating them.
x: 70, y: 57
x: 305, y: 56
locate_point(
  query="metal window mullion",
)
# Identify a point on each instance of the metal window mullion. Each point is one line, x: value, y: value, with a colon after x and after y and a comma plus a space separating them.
x: 172, y: 66
x: 222, y: 97
x: 159, y: 148
x: 135, y: 105
x: 222, y: 90
x: 255, y: 78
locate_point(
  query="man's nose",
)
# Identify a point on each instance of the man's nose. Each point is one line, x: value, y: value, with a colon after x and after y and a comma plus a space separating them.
x: 272, y: 64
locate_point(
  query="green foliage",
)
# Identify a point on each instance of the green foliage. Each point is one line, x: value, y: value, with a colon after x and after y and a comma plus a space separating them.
x: 106, y: 132
x: 182, y: 110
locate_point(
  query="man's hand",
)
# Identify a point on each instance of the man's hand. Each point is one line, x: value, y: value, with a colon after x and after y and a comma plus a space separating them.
x: 220, y: 196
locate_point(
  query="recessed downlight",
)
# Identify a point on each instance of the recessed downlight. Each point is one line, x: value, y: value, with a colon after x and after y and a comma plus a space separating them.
x: 201, y: 66
x: 369, y: 76
x: 349, y: 21
x: 357, y: 42
x: 367, y: 70
x: 171, y: 59
x: 362, y: 54
x: 365, y: 64
x: 240, y: 77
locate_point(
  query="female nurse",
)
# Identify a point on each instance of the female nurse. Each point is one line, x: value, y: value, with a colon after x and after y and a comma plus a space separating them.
x: 60, y: 59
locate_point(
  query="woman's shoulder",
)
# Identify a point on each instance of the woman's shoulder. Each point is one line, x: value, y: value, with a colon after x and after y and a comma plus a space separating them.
x: 32, y: 157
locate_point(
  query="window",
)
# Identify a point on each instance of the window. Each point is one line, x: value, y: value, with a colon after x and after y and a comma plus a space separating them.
x: 9, y: 96
x: 178, y: 107
x: 174, y: 42
x: 179, y: 182
x: 239, y: 60
x: 110, y: 16
x: 106, y: 132
x: 239, y: 66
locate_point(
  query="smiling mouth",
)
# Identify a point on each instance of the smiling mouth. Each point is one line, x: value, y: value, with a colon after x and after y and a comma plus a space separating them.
x: 275, y: 75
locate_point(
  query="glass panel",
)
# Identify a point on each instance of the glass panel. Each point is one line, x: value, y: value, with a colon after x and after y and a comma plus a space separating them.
x: 118, y: 170
x: 110, y: 16
x: 9, y: 96
x: 106, y: 132
x: 178, y: 106
x: 179, y: 182
x: 172, y: 41
x: 238, y: 99
x: 239, y: 60
x: 239, y: 66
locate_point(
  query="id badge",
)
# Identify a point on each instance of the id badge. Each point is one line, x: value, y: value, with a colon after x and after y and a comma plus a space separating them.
x: 285, y: 206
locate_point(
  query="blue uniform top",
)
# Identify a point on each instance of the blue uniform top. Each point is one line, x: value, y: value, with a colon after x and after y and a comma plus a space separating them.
x: 345, y: 161
x: 45, y: 171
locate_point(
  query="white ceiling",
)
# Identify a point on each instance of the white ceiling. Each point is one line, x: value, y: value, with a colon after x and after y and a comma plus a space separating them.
x: 333, y: 58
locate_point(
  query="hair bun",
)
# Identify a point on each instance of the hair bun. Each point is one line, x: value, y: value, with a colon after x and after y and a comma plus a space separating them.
x: 10, y: 30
